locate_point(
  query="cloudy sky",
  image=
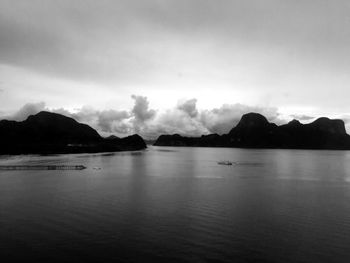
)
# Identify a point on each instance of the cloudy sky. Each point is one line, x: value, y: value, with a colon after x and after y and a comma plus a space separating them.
x: 187, y: 66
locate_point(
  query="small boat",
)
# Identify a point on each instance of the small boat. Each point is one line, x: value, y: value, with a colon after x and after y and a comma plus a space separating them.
x: 225, y: 163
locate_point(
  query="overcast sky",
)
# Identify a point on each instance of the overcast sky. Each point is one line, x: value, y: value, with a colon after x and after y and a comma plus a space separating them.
x: 286, y: 58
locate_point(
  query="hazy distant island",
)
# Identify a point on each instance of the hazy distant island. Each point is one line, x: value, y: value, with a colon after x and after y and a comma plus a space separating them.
x: 255, y: 131
x: 50, y: 133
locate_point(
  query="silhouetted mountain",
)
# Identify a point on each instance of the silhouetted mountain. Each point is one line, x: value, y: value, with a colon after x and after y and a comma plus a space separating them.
x: 254, y: 131
x: 112, y: 137
x: 48, y: 132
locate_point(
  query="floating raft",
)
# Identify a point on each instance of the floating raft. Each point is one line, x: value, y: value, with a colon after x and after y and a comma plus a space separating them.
x: 42, y: 167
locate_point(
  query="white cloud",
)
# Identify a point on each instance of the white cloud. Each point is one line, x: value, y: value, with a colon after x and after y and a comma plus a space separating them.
x: 222, y: 120
x: 184, y: 118
x: 27, y: 110
x: 189, y: 107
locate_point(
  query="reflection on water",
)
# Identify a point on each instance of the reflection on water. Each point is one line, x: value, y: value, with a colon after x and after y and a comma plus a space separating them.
x: 179, y: 205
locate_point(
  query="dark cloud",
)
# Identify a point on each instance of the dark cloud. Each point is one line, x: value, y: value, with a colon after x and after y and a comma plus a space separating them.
x: 109, y: 120
x: 243, y: 49
x: 86, y: 114
x: 27, y: 110
x: 81, y: 39
x: 189, y: 107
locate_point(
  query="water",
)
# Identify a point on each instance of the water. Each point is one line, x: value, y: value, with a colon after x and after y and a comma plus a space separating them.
x: 178, y: 205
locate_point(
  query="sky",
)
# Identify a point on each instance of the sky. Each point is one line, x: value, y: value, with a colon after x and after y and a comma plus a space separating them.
x: 175, y: 66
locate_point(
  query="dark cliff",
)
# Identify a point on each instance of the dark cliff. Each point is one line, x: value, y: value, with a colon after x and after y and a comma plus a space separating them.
x: 255, y: 131
x: 48, y: 132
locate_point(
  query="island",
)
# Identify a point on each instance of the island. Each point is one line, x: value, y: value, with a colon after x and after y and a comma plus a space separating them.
x: 255, y: 131
x: 52, y: 133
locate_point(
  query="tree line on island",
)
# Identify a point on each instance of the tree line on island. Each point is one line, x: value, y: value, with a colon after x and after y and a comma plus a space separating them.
x: 48, y: 133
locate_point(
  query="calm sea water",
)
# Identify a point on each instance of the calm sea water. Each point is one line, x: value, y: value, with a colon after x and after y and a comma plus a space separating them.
x: 178, y: 205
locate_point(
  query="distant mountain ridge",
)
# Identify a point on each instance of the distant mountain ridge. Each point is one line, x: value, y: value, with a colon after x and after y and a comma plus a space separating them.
x: 48, y: 132
x: 255, y: 131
